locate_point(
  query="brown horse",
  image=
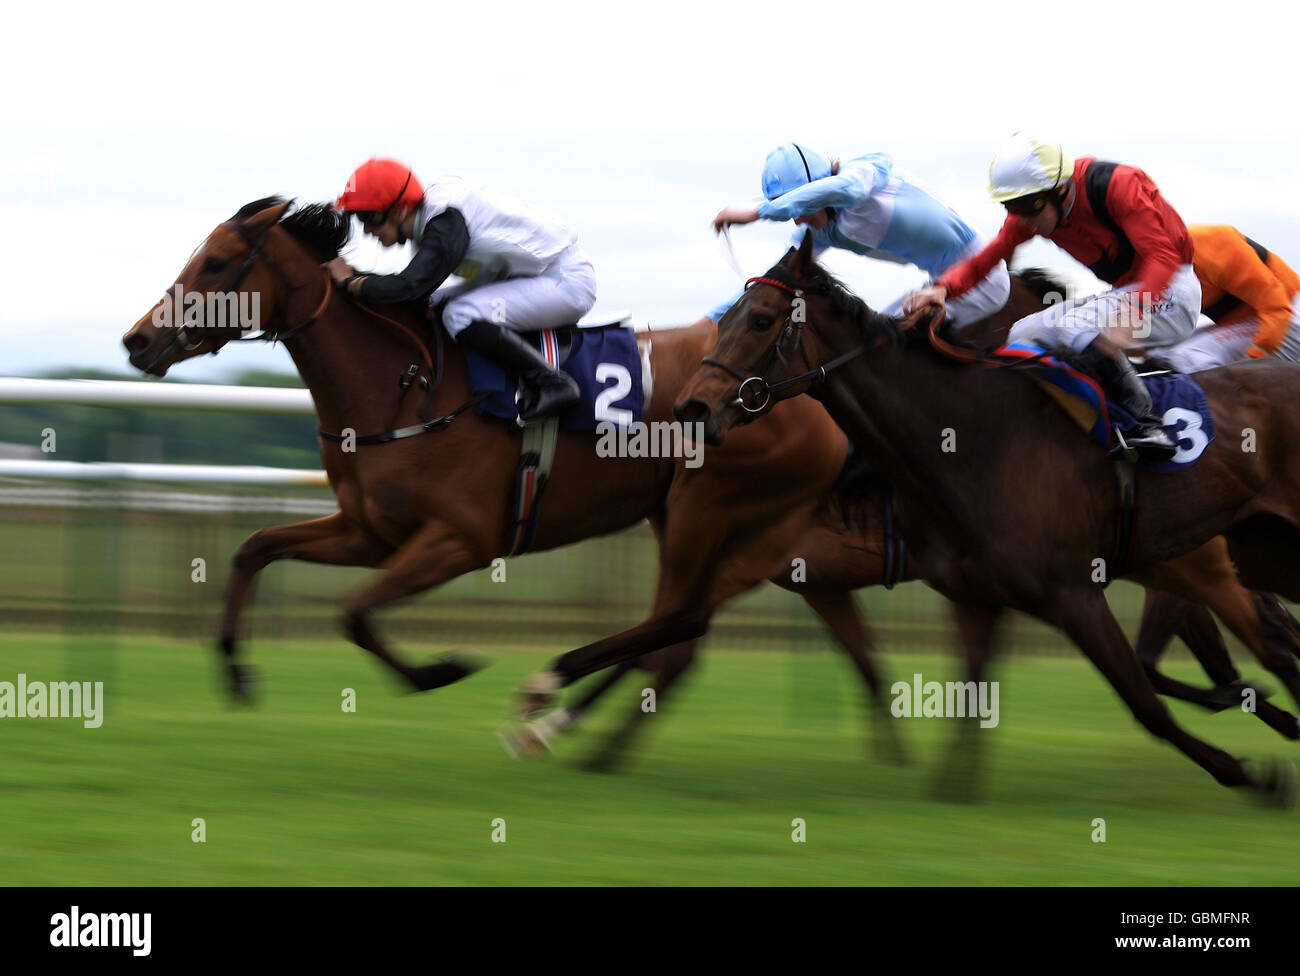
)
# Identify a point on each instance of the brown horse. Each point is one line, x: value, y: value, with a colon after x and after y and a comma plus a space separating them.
x: 1020, y: 514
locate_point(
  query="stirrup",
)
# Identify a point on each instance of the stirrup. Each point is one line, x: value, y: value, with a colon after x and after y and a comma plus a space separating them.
x: 1131, y: 450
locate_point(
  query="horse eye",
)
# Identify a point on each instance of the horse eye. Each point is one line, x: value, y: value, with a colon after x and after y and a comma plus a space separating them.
x: 761, y: 323
x: 213, y: 266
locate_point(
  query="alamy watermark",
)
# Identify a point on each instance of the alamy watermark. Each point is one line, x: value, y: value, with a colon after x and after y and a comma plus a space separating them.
x: 181, y: 309
x: 55, y: 699
x: 952, y: 699
x: 657, y: 439
x: 74, y: 929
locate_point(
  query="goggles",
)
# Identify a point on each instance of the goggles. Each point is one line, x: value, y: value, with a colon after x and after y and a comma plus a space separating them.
x: 1029, y: 206
x: 370, y: 219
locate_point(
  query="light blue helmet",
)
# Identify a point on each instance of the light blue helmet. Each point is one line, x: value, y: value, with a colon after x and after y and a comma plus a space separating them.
x: 791, y: 166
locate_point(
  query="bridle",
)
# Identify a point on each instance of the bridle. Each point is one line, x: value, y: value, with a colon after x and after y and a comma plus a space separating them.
x: 405, y: 380
x: 182, y: 336
x: 755, y: 393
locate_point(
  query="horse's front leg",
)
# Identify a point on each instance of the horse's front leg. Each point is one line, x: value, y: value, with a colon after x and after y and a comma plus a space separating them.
x: 334, y: 540
x: 690, y: 550
x: 1206, y: 576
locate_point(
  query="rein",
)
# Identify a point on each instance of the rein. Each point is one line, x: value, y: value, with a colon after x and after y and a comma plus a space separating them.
x: 755, y: 392
x: 405, y: 381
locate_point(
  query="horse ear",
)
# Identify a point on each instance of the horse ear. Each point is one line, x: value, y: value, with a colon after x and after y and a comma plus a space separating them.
x: 265, y: 219
x: 804, y: 261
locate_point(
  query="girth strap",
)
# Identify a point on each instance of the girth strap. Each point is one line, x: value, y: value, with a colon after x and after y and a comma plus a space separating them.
x: 437, y: 423
x: 895, y: 548
x: 1125, y: 518
x: 536, y: 458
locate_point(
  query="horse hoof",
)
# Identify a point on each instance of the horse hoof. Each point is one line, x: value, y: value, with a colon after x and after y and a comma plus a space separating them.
x: 601, y: 762
x: 537, y: 695
x: 241, y: 683
x: 1278, y: 783
x: 1223, y: 697
x: 444, y: 671
x: 522, y: 741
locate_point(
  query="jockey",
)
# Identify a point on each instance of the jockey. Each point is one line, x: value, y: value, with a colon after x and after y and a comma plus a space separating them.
x: 523, y: 270
x: 1114, y: 220
x: 869, y: 207
x: 1250, y: 294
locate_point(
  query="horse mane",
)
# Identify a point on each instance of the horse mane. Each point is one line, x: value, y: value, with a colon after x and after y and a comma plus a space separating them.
x: 872, y: 324
x: 844, y: 303
x: 317, y: 226
x: 1044, y: 284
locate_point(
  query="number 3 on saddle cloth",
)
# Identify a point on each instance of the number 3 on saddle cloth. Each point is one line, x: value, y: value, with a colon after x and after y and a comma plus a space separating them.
x: 606, y: 364
x: 1179, y: 401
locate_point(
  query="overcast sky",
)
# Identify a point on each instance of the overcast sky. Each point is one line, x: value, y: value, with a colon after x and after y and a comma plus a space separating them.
x: 131, y: 130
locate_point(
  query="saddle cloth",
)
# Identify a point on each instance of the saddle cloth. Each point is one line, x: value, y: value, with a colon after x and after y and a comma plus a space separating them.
x: 1179, y: 401
x: 605, y: 362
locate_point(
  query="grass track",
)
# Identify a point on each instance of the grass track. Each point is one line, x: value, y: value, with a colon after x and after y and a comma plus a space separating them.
x: 405, y: 790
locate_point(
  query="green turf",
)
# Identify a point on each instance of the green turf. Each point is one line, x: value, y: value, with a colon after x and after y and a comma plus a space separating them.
x: 405, y: 790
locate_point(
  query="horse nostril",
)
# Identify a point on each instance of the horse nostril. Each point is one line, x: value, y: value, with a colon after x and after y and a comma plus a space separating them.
x: 135, y: 342
x: 692, y: 411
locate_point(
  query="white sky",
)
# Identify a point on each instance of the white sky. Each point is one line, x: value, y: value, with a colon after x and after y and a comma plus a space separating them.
x: 130, y: 130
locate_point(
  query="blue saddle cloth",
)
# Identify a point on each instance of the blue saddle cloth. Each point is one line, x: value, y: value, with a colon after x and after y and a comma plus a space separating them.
x: 605, y: 362
x: 1179, y: 401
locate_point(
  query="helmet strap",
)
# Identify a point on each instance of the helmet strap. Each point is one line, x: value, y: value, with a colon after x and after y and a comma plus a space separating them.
x: 1063, y: 194
x: 803, y: 159
x: 398, y: 199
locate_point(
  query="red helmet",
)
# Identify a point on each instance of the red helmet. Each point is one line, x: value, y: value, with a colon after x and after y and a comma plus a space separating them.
x: 380, y: 185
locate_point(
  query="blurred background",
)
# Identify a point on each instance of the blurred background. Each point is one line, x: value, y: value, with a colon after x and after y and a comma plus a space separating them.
x: 116, y: 557
x: 142, y: 126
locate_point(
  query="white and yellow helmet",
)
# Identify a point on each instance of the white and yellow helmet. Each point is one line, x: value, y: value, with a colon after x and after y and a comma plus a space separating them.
x: 1024, y: 166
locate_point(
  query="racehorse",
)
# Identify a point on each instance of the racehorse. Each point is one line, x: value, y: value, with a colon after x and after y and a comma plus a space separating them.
x: 430, y: 508
x: 1017, y: 516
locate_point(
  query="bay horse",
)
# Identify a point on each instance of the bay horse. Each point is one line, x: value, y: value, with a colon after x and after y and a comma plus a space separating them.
x: 1017, y: 515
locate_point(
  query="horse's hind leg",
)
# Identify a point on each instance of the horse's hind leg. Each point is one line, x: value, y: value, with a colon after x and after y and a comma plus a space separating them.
x: 1206, y: 576
x: 1165, y: 615
x: 1084, y: 616
x: 434, y: 555
x: 333, y: 540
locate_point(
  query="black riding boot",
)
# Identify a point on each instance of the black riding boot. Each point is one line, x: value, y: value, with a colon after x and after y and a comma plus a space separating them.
x: 545, y: 391
x: 1123, y: 385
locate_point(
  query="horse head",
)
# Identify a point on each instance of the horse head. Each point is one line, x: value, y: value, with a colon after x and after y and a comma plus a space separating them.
x: 777, y: 341
x: 257, y: 275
